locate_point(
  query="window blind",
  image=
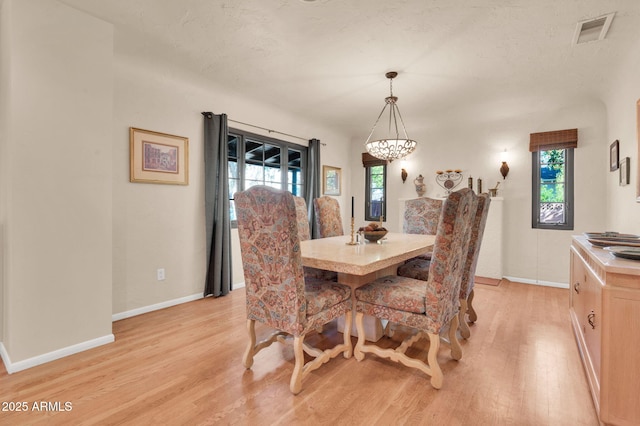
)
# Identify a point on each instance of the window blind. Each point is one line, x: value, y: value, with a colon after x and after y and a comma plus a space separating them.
x: 557, y: 139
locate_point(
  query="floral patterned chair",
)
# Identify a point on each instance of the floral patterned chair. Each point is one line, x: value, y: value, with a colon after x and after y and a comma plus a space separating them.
x: 304, y: 231
x: 429, y: 307
x: 421, y: 216
x: 278, y: 294
x: 468, y: 277
x: 419, y: 268
x: 328, y: 217
x: 304, y: 234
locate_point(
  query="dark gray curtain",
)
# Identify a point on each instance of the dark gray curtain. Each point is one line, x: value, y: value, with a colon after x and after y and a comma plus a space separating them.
x: 313, y: 182
x: 216, y: 205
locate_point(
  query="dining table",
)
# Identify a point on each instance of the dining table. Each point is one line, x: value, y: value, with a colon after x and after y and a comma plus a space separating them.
x: 359, y: 264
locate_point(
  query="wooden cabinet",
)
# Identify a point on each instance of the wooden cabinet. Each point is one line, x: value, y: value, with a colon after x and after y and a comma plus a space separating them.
x: 605, y: 315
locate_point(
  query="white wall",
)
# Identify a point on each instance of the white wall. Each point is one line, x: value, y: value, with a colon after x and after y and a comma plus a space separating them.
x: 623, y: 212
x: 475, y: 146
x: 56, y: 180
x: 162, y: 226
x: 5, y: 107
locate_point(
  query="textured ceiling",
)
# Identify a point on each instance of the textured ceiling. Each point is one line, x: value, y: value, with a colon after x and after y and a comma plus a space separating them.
x: 457, y: 59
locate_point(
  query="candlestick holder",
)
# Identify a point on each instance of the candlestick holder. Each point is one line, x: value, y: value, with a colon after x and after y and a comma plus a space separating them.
x: 353, y: 241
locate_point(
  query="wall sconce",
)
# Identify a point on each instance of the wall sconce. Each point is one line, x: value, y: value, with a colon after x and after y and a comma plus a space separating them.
x: 504, y: 169
x: 403, y: 173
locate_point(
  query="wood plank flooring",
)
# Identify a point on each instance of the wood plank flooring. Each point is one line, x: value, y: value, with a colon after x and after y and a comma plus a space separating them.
x: 183, y: 365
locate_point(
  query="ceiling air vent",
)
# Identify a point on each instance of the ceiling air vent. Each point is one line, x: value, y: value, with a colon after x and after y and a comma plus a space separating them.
x: 592, y: 29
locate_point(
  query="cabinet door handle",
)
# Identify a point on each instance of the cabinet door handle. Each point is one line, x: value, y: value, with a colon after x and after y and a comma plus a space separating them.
x: 591, y: 319
x: 576, y: 287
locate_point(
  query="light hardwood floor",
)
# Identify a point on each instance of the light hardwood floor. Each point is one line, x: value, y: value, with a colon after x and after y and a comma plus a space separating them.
x: 183, y: 365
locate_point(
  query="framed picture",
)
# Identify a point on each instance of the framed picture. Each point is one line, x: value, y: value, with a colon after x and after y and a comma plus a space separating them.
x: 624, y: 171
x: 614, y: 158
x: 158, y: 157
x: 331, y: 180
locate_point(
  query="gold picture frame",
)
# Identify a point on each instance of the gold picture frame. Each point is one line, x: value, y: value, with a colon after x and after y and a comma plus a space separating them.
x: 331, y: 180
x: 158, y: 157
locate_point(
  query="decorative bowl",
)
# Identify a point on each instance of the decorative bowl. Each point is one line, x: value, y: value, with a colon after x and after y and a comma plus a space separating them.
x: 374, y: 236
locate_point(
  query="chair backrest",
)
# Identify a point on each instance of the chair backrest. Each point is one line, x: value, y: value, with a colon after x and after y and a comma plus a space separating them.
x: 421, y: 215
x: 477, y: 232
x: 449, y: 254
x: 271, y: 258
x: 328, y: 219
x: 304, y: 231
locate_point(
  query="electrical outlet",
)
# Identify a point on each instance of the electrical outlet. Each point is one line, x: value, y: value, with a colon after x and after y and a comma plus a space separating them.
x: 160, y: 273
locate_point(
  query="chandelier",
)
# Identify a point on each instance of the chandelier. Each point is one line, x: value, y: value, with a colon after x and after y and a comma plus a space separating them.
x: 392, y: 147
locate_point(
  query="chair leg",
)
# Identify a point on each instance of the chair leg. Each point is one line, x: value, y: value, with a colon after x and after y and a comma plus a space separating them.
x: 432, y: 357
x: 296, y: 378
x: 249, y: 352
x: 456, y: 349
x: 473, y: 316
x: 253, y: 348
x: 465, y: 332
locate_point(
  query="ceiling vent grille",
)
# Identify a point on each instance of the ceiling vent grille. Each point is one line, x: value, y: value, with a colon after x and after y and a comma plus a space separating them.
x: 592, y: 29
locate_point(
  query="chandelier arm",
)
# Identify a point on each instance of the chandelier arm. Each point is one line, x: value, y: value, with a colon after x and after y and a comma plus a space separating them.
x: 395, y: 120
x: 404, y: 129
x: 376, y: 123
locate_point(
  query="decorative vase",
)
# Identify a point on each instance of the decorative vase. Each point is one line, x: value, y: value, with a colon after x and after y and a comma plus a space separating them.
x: 421, y: 187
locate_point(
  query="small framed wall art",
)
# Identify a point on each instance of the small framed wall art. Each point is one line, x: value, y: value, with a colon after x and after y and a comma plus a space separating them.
x: 614, y: 155
x: 331, y: 180
x: 624, y: 171
x: 158, y: 157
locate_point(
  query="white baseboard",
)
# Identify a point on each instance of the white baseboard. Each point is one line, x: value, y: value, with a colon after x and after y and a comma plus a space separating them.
x: 157, y: 306
x: 51, y: 356
x: 70, y: 350
x: 538, y: 282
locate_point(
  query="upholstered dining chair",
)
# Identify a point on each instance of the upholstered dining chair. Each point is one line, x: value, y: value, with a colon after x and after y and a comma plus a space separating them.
x: 278, y: 295
x: 418, y: 268
x: 468, y: 276
x: 328, y: 219
x: 304, y: 230
x: 304, y: 233
x: 428, y: 307
x: 421, y: 216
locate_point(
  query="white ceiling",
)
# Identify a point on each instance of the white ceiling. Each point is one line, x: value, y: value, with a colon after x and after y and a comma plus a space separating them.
x: 468, y: 59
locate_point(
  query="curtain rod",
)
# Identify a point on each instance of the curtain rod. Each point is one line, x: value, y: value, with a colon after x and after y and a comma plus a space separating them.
x: 269, y: 130
x: 264, y: 128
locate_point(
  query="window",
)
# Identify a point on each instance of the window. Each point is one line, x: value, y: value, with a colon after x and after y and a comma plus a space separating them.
x: 552, y: 189
x: 552, y: 178
x: 376, y: 196
x: 259, y: 160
